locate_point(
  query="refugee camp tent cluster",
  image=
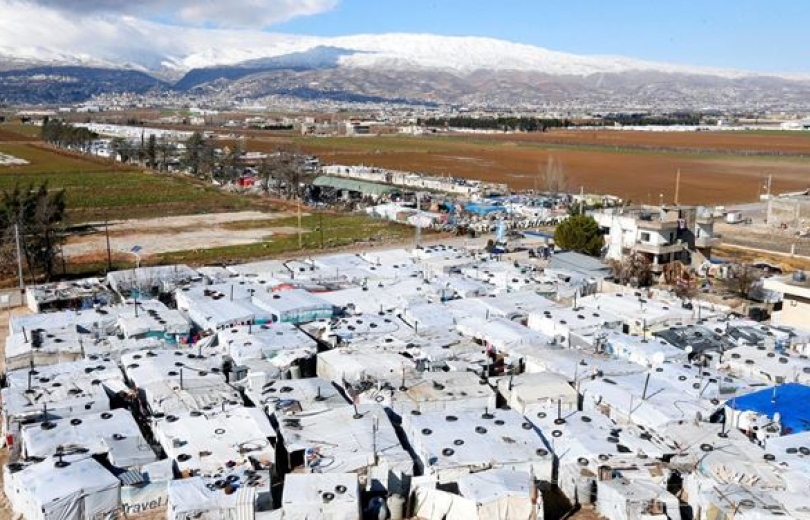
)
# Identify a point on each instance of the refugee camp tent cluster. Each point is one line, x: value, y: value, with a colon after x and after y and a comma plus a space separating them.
x: 438, y: 382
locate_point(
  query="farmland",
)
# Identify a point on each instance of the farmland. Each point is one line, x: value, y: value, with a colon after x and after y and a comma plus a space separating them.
x: 98, y: 190
x: 765, y: 142
x: 710, y: 173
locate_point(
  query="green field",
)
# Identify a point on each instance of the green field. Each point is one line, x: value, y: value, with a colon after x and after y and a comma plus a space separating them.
x: 97, y: 189
x: 338, y: 231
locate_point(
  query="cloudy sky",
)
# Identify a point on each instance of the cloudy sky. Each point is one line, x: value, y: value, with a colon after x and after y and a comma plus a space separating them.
x: 756, y: 35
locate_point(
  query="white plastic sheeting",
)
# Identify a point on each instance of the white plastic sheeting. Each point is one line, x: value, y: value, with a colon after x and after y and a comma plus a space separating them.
x: 543, y: 388
x: 82, y: 490
x: 452, y: 444
x: 294, y: 396
x: 209, y: 441
x: 433, y: 391
x: 294, y: 306
x: 501, y: 334
x: 495, y: 494
x: 280, y: 343
x: 328, y: 496
x: 152, y: 317
x: 115, y: 433
x: 353, y: 365
x: 150, y: 278
x: 340, y: 441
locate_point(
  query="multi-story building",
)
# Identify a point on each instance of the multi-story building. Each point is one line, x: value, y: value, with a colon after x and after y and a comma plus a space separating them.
x: 662, y: 235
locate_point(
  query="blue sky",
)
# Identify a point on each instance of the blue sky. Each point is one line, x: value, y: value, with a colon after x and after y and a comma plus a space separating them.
x: 745, y: 34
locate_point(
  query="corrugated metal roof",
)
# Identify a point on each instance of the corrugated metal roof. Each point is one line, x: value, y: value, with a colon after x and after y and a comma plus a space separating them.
x: 131, y: 477
x: 579, y: 263
x: 368, y: 188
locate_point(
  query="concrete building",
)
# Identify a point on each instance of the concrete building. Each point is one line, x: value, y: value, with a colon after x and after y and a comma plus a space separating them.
x: 790, y: 210
x: 662, y: 235
x: 795, y: 291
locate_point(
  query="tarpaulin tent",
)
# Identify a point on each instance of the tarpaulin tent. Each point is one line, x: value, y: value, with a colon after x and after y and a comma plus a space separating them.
x: 79, y: 490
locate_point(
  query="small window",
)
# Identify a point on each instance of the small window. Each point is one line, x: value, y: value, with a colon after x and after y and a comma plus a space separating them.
x: 645, y: 237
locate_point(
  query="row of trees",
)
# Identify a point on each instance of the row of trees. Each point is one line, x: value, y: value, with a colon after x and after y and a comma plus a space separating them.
x: 506, y: 124
x: 64, y: 135
x: 149, y: 152
x: 282, y: 172
x: 39, y: 215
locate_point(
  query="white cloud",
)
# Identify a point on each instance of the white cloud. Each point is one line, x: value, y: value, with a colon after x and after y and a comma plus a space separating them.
x: 208, y: 13
x: 30, y: 30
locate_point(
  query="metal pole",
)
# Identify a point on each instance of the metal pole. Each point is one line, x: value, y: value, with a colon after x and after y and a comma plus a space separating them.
x: 418, y: 222
x: 320, y: 226
x: 646, y: 383
x: 300, y: 236
x: 677, y: 186
x: 582, y: 200
x: 109, y: 252
x: 19, y: 258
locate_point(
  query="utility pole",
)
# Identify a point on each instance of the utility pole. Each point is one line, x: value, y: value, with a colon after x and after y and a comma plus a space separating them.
x: 320, y: 227
x: 300, y: 236
x: 677, y: 186
x: 768, y: 186
x: 19, y: 259
x: 109, y: 252
x: 582, y: 200
x: 418, y: 222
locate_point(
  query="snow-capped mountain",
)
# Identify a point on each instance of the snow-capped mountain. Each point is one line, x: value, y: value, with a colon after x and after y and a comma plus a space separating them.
x: 411, y: 67
x: 460, y: 55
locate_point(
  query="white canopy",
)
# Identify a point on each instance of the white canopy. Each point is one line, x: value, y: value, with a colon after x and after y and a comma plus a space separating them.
x: 81, y: 490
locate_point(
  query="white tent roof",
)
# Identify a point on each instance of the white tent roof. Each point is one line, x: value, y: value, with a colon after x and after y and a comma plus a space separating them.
x: 345, y: 443
x: 494, y: 484
x: 542, y: 388
x: 452, y: 444
x: 108, y: 432
x: 434, y: 391
x: 144, y: 278
x: 501, y: 333
x: 82, y: 489
x: 66, y: 389
x: 280, y: 343
x: 45, y: 346
x: 297, y: 302
x: 332, y: 496
x: 386, y: 296
x: 263, y: 267
x: 153, y: 316
x: 352, y: 365
x: 209, y: 441
x: 649, y: 351
x: 149, y: 366
x: 294, y: 396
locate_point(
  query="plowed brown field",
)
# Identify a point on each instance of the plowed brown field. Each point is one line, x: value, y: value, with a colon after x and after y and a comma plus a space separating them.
x: 762, y: 142
x: 630, y: 173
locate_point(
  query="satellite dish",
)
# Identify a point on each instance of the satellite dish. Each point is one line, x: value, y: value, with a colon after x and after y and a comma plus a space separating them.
x: 688, y: 349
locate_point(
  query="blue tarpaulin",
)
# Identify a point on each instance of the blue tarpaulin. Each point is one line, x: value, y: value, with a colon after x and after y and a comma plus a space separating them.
x: 483, y: 209
x: 789, y: 400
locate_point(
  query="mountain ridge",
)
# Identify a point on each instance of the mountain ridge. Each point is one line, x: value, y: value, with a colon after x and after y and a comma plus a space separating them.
x: 410, y: 68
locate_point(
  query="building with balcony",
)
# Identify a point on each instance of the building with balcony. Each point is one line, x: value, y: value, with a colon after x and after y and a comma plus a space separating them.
x: 662, y: 235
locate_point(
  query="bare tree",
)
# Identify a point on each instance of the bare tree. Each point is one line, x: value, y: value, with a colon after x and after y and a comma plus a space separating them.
x: 741, y: 279
x: 685, y: 286
x: 554, y: 177
x: 633, y: 270
x: 286, y: 170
